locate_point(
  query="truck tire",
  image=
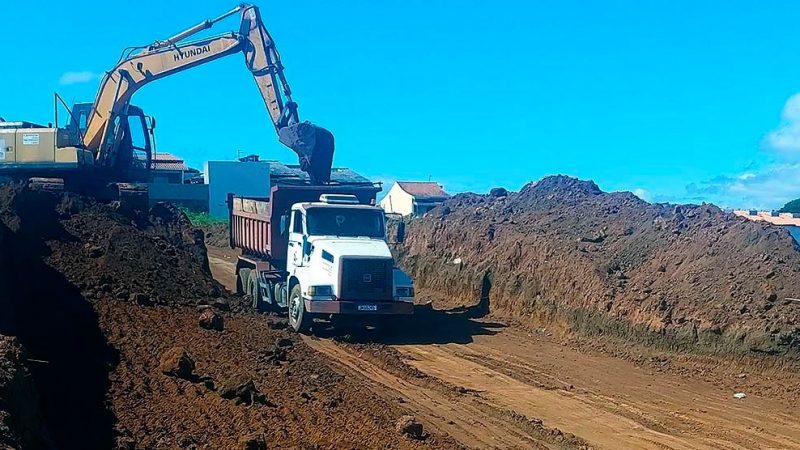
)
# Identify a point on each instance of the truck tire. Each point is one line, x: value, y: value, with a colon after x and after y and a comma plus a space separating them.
x: 299, y: 319
x: 389, y: 325
x: 242, y: 278
x: 255, y: 291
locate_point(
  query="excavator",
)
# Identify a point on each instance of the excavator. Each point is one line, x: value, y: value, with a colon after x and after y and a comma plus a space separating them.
x: 106, y: 146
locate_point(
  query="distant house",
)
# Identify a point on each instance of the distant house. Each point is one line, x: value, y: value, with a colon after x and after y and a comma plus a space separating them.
x: 413, y: 198
x: 168, y: 168
x: 170, y: 182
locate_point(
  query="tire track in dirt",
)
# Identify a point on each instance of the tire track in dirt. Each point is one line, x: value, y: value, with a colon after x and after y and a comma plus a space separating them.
x: 606, y: 407
x: 458, y: 417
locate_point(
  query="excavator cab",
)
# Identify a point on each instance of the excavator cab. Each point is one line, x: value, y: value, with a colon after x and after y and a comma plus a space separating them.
x: 128, y: 149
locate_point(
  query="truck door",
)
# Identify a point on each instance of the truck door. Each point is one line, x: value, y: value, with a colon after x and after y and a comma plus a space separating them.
x: 294, y: 255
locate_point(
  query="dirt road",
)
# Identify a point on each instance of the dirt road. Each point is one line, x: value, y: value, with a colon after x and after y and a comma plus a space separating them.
x: 492, y: 386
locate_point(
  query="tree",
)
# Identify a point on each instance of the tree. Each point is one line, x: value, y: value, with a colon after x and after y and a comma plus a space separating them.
x: 792, y: 207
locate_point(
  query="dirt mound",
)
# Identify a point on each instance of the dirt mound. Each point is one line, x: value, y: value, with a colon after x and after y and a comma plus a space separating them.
x: 102, y: 251
x: 562, y: 252
x: 216, y: 234
x: 95, y: 296
x: 21, y: 424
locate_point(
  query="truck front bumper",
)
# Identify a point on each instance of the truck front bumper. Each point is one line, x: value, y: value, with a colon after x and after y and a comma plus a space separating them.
x: 366, y: 308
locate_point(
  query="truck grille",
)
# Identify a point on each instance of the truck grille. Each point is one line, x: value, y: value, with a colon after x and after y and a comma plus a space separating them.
x: 366, y: 279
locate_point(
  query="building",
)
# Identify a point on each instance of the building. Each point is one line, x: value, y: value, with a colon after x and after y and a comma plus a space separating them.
x: 789, y: 220
x: 284, y: 174
x: 168, y: 168
x: 250, y: 179
x: 773, y: 217
x: 407, y: 198
x: 169, y: 182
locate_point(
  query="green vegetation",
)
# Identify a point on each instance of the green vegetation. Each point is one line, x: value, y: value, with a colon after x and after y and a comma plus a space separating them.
x: 202, y: 219
x: 792, y: 207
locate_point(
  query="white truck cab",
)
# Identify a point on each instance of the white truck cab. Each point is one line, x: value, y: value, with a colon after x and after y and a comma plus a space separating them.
x: 339, y: 262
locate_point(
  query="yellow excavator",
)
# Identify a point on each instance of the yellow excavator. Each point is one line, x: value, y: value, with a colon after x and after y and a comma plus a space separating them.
x: 107, y: 144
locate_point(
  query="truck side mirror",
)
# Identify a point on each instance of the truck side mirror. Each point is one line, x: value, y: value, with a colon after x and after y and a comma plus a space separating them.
x: 284, y: 224
x: 401, y: 232
x: 306, y: 246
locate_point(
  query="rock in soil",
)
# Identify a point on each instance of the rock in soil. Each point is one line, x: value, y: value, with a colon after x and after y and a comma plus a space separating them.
x: 409, y: 426
x: 242, y: 389
x: 211, y: 320
x: 253, y: 441
x: 141, y: 299
x: 222, y: 304
x: 176, y: 362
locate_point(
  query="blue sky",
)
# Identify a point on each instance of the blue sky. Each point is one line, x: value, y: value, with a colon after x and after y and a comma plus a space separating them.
x: 679, y: 101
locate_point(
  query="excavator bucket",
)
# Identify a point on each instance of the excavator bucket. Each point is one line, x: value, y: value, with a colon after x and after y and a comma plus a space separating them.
x: 314, y: 147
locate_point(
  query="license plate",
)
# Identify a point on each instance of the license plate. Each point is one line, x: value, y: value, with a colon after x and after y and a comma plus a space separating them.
x: 367, y: 307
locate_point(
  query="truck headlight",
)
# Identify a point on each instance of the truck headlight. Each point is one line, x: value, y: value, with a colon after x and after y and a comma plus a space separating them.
x: 404, y: 292
x: 314, y: 291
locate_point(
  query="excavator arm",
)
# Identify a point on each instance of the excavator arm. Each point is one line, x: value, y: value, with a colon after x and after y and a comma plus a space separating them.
x: 142, y: 65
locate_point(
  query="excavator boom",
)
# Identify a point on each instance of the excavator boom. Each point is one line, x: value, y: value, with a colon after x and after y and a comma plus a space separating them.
x: 314, y: 145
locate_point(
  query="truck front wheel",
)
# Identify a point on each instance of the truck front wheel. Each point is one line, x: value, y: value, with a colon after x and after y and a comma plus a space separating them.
x: 299, y: 319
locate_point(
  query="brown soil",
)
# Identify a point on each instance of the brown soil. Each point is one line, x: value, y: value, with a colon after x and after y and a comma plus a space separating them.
x: 94, y: 297
x: 21, y: 424
x: 564, y: 255
x: 503, y: 384
x: 216, y: 235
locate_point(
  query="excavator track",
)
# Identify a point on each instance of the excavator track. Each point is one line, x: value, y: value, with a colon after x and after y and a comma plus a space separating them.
x: 126, y: 196
x: 47, y: 184
x: 133, y: 196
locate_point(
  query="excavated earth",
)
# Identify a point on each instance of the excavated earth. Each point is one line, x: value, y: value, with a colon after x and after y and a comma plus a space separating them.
x: 563, y: 254
x: 100, y: 344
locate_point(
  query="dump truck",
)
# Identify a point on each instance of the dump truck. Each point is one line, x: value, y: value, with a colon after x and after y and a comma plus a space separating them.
x: 319, y: 251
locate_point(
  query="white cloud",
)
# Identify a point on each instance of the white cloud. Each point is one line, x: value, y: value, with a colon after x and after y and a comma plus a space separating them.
x: 78, y: 77
x: 786, y: 138
x: 642, y: 194
x: 772, y: 184
x: 768, y: 188
x: 746, y: 176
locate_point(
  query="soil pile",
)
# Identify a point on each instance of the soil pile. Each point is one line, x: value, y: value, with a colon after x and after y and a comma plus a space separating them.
x: 562, y: 252
x: 217, y: 235
x: 94, y: 296
x: 21, y: 424
x: 155, y: 257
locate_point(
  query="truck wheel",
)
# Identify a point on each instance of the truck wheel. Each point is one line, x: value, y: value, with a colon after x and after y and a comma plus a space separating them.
x: 299, y: 319
x: 389, y: 325
x: 242, y: 278
x: 255, y: 291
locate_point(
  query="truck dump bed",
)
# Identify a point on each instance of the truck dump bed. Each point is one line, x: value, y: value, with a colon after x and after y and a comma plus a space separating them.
x: 255, y: 223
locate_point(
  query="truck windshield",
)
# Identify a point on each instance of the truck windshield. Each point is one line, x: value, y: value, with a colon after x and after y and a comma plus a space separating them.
x: 350, y: 222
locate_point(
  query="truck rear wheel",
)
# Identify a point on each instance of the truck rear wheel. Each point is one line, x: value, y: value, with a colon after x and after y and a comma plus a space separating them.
x: 299, y: 319
x: 254, y: 289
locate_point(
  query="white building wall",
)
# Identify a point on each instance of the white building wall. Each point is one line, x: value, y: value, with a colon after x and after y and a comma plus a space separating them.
x: 240, y: 178
x: 398, y: 201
